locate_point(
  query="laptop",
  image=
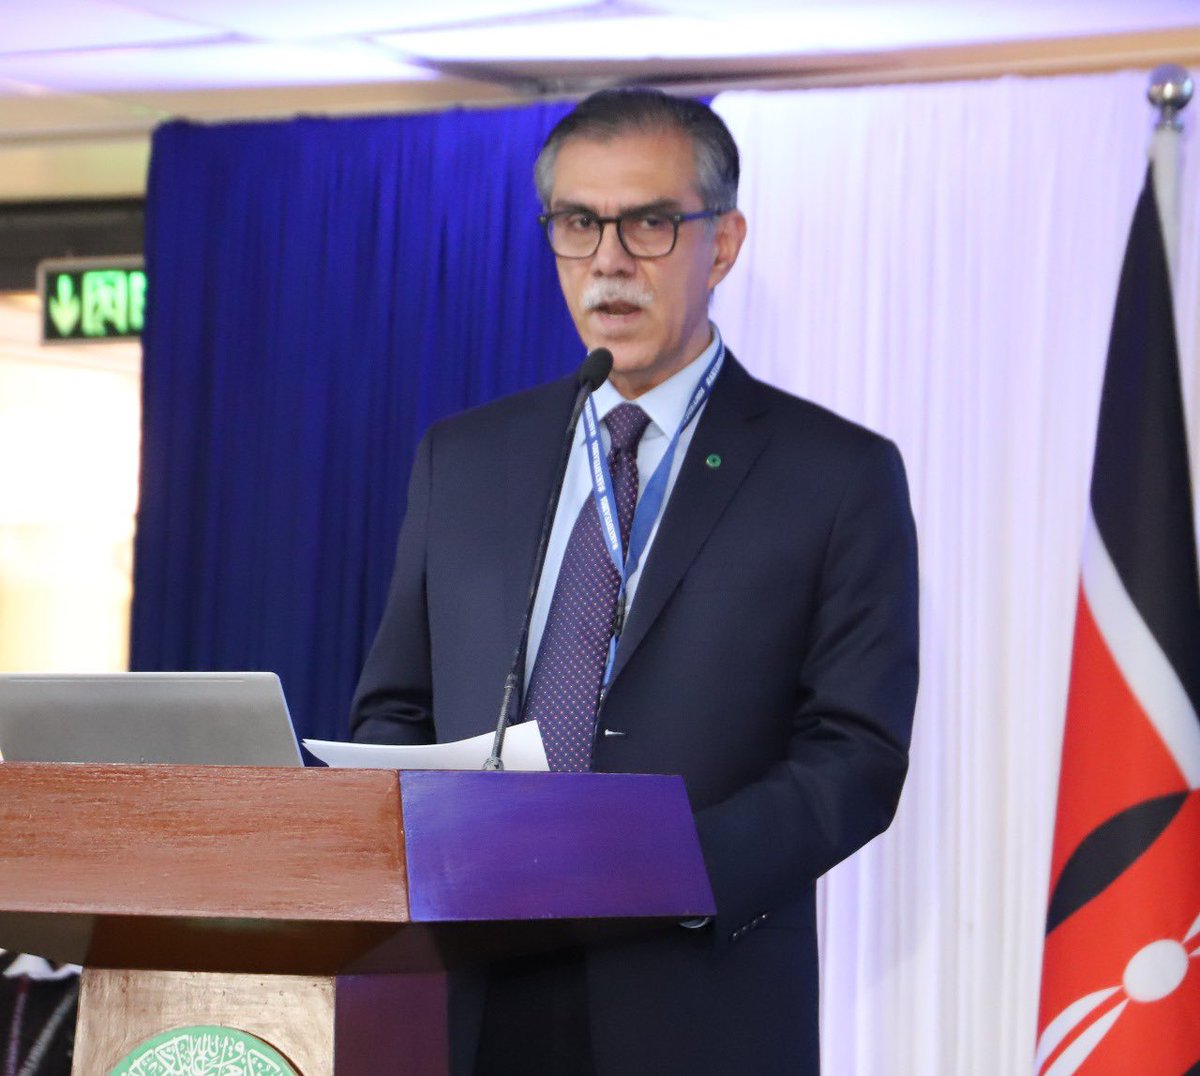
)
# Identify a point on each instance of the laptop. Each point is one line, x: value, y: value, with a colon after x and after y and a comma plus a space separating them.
x: 188, y: 718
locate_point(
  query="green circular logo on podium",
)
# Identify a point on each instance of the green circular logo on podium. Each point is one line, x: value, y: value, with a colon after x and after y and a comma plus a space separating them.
x: 204, y: 1051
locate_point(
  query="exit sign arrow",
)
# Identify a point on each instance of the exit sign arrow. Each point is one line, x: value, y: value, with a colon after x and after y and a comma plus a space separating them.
x: 64, y: 305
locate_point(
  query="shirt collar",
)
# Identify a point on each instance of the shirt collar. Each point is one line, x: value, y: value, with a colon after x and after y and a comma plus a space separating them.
x: 665, y: 403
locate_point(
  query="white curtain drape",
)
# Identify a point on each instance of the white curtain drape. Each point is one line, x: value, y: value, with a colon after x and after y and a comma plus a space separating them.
x: 940, y: 262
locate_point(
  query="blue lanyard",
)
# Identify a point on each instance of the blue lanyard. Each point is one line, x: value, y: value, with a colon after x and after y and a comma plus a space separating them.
x: 649, y: 505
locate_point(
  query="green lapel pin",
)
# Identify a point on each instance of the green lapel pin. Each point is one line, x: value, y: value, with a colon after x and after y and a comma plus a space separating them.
x: 713, y: 461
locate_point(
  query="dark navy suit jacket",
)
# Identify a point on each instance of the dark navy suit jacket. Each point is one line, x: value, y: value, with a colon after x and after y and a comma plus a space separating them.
x: 769, y: 657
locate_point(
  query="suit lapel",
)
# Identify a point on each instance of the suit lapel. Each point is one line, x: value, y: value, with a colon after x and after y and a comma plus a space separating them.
x: 728, y: 429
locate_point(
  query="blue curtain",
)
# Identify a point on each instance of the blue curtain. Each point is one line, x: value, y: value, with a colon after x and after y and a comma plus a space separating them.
x: 320, y: 291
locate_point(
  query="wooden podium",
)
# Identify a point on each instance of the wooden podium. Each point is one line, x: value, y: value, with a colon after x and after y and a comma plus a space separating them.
x: 317, y: 909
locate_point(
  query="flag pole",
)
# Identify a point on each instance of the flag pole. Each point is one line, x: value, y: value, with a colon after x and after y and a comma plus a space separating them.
x: 1169, y: 91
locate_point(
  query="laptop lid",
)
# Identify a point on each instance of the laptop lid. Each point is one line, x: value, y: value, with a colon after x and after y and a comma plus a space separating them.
x: 221, y: 718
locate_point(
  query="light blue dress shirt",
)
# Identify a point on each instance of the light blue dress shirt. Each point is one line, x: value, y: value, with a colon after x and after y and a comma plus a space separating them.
x: 665, y: 404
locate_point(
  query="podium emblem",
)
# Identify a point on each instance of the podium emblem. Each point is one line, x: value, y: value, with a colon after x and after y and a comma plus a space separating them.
x: 204, y: 1051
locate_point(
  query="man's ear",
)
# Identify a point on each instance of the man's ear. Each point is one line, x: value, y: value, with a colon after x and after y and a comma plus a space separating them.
x: 730, y: 234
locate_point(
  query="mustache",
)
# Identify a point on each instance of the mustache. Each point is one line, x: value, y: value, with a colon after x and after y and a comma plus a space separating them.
x: 601, y: 292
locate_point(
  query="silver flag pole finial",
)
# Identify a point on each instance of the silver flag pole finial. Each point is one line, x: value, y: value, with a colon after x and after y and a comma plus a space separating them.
x: 1169, y: 91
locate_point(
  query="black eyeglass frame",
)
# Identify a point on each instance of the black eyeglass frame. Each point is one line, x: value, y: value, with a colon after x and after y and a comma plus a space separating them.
x: 676, y: 219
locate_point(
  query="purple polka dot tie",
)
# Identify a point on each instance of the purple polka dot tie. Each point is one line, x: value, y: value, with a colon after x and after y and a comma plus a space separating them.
x: 565, y: 686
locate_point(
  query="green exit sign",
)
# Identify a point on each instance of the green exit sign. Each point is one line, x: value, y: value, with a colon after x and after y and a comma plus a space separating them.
x: 87, y: 299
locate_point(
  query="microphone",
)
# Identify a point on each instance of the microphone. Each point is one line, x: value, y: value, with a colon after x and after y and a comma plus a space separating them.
x: 593, y: 372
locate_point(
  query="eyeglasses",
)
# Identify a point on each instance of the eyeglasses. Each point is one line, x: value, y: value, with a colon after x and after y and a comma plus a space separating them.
x: 644, y: 233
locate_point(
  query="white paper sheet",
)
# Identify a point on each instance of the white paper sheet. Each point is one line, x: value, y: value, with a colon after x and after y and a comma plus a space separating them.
x: 523, y: 750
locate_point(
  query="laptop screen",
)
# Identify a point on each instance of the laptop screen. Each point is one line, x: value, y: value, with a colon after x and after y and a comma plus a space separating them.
x: 188, y: 718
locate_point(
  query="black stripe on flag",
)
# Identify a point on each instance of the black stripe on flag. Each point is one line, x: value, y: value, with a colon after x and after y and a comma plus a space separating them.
x: 1141, y: 491
x: 1105, y: 853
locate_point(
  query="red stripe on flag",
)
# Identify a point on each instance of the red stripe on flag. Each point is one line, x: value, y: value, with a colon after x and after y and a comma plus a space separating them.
x: 1112, y: 755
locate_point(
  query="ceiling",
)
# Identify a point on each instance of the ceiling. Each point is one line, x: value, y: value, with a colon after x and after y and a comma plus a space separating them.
x: 82, y: 82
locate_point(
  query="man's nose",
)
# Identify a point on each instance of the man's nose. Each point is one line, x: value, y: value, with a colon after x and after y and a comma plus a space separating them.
x: 611, y: 258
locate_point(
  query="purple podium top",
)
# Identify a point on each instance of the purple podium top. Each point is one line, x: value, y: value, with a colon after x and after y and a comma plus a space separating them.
x: 527, y: 846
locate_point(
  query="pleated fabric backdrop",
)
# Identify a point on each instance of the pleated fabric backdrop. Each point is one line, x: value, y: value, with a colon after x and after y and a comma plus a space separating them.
x: 940, y: 263
x: 322, y: 291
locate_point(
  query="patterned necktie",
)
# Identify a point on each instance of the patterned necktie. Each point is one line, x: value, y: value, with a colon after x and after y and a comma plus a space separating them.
x: 565, y: 686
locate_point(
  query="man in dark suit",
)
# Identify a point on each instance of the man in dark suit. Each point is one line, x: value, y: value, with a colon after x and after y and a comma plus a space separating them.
x: 767, y: 648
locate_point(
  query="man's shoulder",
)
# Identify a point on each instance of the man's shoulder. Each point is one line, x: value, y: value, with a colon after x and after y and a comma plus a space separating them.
x: 549, y: 402
x: 805, y: 422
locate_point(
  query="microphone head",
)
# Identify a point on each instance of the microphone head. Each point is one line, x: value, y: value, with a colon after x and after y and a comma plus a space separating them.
x: 594, y: 370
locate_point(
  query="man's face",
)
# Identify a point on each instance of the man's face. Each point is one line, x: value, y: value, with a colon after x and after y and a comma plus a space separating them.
x: 651, y: 313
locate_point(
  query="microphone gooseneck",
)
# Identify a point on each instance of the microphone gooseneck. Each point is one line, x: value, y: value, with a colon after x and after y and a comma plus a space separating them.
x: 593, y: 372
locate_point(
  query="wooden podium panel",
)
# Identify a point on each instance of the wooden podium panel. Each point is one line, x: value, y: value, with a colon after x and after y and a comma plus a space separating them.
x: 212, y: 841
x: 323, y: 1025
x: 200, y: 867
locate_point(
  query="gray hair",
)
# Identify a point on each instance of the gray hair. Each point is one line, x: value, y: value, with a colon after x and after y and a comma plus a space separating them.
x: 610, y: 113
